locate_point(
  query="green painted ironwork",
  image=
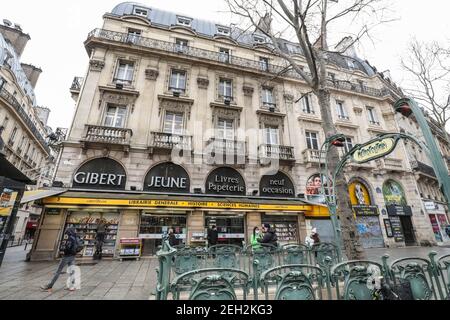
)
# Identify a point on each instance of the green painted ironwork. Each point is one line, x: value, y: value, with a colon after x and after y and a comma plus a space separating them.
x: 225, y: 256
x: 165, y: 255
x: 356, y: 279
x: 443, y: 271
x: 187, y: 259
x: 211, y: 284
x: 295, y: 254
x: 295, y: 282
x: 321, y: 251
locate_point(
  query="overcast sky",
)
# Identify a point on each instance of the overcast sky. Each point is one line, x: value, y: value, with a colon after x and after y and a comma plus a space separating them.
x: 58, y: 29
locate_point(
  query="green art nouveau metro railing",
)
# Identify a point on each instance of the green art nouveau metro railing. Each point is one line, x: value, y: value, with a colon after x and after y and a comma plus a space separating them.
x: 254, y: 65
x: 291, y: 272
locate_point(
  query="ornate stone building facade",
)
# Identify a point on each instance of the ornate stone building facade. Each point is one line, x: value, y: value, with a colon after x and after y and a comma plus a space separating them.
x: 167, y: 97
x: 23, y: 124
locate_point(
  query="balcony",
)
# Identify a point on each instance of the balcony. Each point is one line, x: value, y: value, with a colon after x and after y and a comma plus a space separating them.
x: 165, y: 48
x: 109, y: 136
x: 12, y: 101
x: 170, y: 141
x: 423, y: 169
x: 76, y: 85
x: 312, y: 157
x: 282, y: 153
x: 223, y: 150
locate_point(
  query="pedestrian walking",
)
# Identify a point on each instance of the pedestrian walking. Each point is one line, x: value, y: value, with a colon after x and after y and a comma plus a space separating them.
x: 213, y: 236
x: 254, y: 238
x: 173, y: 241
x: 312, y: 239
x: 100, y: 239
x: 71, y: 248
x: 270, y: 237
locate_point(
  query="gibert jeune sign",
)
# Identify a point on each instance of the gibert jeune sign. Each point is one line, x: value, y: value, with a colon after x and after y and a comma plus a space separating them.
x: 374, y: 150
x: 101, y: 173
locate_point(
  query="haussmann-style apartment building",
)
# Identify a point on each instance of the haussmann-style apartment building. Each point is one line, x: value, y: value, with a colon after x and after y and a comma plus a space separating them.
x: 183, y: 123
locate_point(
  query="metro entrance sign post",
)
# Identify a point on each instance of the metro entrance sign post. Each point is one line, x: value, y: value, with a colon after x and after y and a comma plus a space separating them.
x: 374, y: 149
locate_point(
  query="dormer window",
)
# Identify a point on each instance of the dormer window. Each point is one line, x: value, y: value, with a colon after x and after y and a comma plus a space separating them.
x: 183, y: 21
x: 223, y: 31
x: 258, y: 39
x: 141, y: 12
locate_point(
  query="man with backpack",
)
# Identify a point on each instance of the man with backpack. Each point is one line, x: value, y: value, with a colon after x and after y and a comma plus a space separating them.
x: 72, y: 246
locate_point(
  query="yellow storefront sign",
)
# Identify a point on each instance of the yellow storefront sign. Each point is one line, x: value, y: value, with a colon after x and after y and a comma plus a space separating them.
x: 310, y: 210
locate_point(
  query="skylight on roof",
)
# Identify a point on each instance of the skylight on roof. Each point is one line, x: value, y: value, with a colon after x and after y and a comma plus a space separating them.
x: 184, y: 21
x: 224, y: 31
x: 258, y: 39
x: 140, y: 12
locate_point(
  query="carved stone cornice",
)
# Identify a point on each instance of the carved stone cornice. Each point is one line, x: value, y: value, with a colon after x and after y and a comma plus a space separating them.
x: 175, y: 104
x: 96, y: 65
x: 226, y: 112
x: 203, y: 82
x: 248, y: 90
x: 151, y: 74
x: 357, y: 110
x: 270, y: 118
x: 288, y: 97
x: 116, y: 96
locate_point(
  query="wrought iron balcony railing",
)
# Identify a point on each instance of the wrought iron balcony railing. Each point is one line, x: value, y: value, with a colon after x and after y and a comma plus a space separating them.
x: 11, y: 100
x: 423, y: 168
x: 172, y: 47
x: 76, y: 84
x: 272, y: 151
x: 227, y: 147
x: 170, y: 141
x: 108, y: 135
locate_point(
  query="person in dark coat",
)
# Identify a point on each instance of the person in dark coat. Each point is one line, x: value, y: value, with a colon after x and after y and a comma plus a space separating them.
x: 70, y: 252
x: 173, y: 241
x: 270, y: 237
x: 100, y: 239
x: 213, y: 236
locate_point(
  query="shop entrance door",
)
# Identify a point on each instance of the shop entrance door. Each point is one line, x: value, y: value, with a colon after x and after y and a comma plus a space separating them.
x: 231, y: 229
x: 408, y: 231
x: 153, y: 227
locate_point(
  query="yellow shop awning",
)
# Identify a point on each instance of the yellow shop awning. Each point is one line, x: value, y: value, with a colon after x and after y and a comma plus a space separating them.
x: 73, y: 199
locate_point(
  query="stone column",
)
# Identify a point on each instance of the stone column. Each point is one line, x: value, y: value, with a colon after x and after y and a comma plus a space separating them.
x: 195, y: 224
x: 302, y: 227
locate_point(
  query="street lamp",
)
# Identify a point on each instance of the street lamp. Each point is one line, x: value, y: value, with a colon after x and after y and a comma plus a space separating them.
x: 337, y: 141
x: 408, y: 107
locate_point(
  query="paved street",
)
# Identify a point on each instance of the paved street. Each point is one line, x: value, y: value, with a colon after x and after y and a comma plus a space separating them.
x: 112, y: 280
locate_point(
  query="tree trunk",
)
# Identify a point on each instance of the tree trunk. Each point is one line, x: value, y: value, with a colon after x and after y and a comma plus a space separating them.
x: 350, y: 236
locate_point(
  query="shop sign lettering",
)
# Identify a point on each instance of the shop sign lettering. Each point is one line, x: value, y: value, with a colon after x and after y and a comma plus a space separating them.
x: 374, y: 150
x: 103, y: 173
x: 279, y: 185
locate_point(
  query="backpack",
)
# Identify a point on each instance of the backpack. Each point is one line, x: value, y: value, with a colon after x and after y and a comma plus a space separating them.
x: 79, y: 244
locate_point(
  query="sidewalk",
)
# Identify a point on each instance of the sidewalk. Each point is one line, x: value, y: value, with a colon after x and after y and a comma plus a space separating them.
x: 107, y: 280
x: 115, y: 280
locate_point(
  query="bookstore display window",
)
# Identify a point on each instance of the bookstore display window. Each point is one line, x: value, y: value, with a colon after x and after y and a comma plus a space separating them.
x: 153, y: 227
x: 85, y: 224
x: 231, y: 229
x: 286, y: 228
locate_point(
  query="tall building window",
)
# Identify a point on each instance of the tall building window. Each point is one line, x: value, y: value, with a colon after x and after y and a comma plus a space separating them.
x: 341, y: 111
x: 2, y: 82
x: 124, y: 73
x: 225, y: 129
x: 264, y: 63
x: 178, y: 81
x: 267, y: 97
x: 5, y: 122
x: 373, y: 119
x: 348, y: 144
x: 173, y: 123
x: 226, y: 89
x: 224, y: 55
x: 312, y: 141
x: 134, y: 35
x: 21, y: 144
x: 272, y: 135
x: 307, y: 105
x: 12, y: 137
x: 115, y: 116
x: 183, y: 21
x: 181, y: 44
x: 224, y: 31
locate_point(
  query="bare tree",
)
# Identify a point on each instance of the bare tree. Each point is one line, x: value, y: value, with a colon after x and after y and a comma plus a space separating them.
x: 308, y: 22
x: 428, y: 64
